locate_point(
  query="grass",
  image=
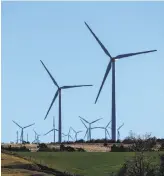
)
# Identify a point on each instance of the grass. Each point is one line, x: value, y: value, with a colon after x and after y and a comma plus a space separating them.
x: 88, y: 164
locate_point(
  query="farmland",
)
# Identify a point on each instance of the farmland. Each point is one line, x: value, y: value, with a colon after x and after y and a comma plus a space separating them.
x: 88, y: 164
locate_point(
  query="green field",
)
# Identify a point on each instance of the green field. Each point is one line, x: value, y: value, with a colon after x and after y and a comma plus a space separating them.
x: 87, y: 163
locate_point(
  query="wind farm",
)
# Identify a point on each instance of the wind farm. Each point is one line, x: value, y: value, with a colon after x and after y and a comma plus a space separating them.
x: 86, y: 123
x: 82, y: 89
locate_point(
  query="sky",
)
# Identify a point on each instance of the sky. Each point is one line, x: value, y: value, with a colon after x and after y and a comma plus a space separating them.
x: 55, y: 33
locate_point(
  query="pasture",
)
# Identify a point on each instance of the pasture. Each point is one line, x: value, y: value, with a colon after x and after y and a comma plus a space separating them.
x: 83, y: 163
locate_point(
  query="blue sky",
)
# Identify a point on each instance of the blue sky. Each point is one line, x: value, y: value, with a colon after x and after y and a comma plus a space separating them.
x: 54, y: 32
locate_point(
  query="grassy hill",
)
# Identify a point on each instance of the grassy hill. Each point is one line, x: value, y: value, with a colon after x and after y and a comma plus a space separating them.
x: 15, y: 166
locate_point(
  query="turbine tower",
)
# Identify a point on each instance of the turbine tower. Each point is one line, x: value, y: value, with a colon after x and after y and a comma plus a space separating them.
x: 22, y: 128
x: 112, y: 65
x: 17, y: 138
x: 118, y: 132
x: 76, y: 133
x: 87, y: 131
x: 105, y: 129
x: 58, y: 92
x: 90, y: 123
x: 53, y: 129
x: 27, y: 137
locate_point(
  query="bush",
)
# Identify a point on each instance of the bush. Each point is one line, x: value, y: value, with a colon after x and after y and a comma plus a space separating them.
x: 120, y: 148
x: 141, y: 143
x: 141, y: 165
x: 42, y: 146
x: 15, y: 149
x: 162, y: 147
x: 70, y: 149
x: 80, y: 149
x: 80, y: 141
x: 118, y: 141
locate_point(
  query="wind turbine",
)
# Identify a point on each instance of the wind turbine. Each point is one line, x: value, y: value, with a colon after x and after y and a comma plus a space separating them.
x: 36, y: 137
x: 63, y: 135
x: 22, y: 128
x: 90, y: 123
x: 105, y: 129
x: 53, y: 129
x: 112, y: 65
x: 58, y: 92
x: 76, y: 133
x: 118, y: 132
x: 87, y: 131
x: 68, y: 135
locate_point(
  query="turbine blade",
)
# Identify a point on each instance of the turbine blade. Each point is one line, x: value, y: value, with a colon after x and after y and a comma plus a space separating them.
x: 105, y: 76
x: 97, y: 127
x: 70, y: 137
x: 54, y: 122
x: 120, y: 126
x: 48, y: 132
x: 102, y: 46
x: 86, y: 133
x: 83, y: 123
x: 69, y: 130
x: 35, y: 132
x: 73, y: 129
x: 108, y: 132
x: 29, y: 125
x: 67, y: 87
x: 108, y: 124
x: 96, y: 120
x: 84, y: 119
x: 16, y: 124
x: 56, y: 94
x: 133, y: 54
x: 79, y: 131
x: 64, y: 134
x: 50, y: 74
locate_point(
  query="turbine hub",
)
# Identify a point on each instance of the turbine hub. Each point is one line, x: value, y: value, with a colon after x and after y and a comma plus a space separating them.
x: 114, y: 60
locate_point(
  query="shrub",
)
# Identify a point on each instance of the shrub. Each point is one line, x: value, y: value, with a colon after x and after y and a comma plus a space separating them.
x: 141, y: 165
x: 141, y: 143
x: 118, y: 141
x: 44, y: 148
x: 120, y: 148
x: 80, y: 141
x: 162, y: 146
x: 80, y: 149
x: 15, y: 149
x: 42, y: 145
